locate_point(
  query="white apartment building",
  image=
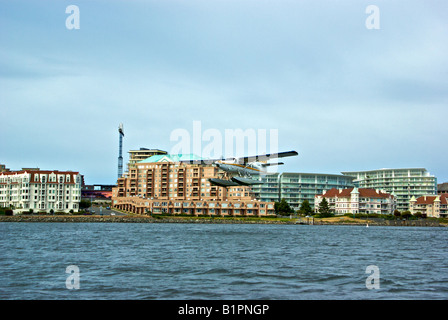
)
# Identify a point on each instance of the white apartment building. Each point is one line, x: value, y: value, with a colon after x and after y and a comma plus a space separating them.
x: 357, y: 200
x: 40, y: 190
x: 402, y: 183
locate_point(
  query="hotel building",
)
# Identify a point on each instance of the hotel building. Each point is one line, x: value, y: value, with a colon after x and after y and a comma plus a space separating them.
x: 430, y: 206
x: 354, y: 200
x: 164, y: 184
x: 296, y: 187
x: 40, y: 190
x: 402, y: 183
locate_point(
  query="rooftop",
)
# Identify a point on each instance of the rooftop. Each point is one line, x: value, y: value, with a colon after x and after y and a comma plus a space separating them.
x: 171, y: 158
x: 363, y: 192
x: 430, y: 199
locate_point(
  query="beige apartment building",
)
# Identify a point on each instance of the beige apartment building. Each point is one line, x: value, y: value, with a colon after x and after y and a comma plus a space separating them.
x: 162, y: 184
x: 357, y: 200
x: 430, y: 206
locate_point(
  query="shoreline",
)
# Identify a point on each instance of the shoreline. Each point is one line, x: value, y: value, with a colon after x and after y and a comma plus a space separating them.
x: 207, y: 220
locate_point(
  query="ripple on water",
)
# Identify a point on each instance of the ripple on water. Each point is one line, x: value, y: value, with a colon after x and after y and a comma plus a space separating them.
x: 187, y: 261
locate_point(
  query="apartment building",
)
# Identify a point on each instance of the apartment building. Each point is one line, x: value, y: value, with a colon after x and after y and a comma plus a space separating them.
x: 430, y: 205
x: 357, y: 200
x: 402, y: 183
x: 40, y: 190
x: 163, y: 184
x: 295, y: 187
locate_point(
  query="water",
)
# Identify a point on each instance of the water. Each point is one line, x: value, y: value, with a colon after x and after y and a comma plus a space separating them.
x: 221, y: 261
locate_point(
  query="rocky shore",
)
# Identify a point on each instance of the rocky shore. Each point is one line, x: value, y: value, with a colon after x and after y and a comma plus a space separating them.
x: 216, y: 220
x: 132, y: 219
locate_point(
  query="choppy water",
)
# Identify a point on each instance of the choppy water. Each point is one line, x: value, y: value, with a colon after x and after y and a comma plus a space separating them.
x: 215, y: 261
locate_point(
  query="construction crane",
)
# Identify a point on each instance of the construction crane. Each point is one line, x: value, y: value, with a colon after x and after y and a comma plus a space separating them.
x: 120, y: 151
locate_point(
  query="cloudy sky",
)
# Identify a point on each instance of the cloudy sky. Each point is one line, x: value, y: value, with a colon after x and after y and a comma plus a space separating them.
x: 344, y: 96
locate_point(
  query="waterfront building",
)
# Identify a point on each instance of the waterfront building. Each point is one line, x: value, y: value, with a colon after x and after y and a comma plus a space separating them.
x: 40, y: 190
x: 357, y: 200
x: 430, y: 206
x: 295, y: 187
x: 402, y: 183
x: 269, y: 191
x: 164, y: 184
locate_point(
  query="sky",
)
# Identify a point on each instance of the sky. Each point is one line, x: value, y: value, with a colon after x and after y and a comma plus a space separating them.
x: 344, y: 96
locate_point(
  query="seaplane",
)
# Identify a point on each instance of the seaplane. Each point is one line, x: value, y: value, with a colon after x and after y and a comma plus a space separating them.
x: 244, y: 171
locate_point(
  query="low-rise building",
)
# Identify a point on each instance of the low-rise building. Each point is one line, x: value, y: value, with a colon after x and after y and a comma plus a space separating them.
x: 40, y: 190
x: 357, y: 200
x: 430, y: 206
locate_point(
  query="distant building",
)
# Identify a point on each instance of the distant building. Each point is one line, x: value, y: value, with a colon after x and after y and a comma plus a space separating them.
x: 3, y: 168
x: 442, y: 189
x: 296, y: 187
x: 430, y: 206
x: 163, y: 184
x: 97, y: 192
x: 402, y: 183
x: 40, y: 190
x: 142, y: 154
x: 357, y: 200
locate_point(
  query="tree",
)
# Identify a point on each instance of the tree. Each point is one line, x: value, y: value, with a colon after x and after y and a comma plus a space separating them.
x: 406, y: 214
x: 305, y: 208
x: 418, y: 215
x: 84, y: 204
x: 283, y: 208
x: 324, y: 209
x: 397, y: 213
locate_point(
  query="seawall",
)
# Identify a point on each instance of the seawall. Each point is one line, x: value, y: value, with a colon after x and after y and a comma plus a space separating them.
x: 216, y: 220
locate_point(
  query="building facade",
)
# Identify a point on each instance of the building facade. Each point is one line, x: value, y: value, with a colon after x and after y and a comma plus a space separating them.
x: 142, y: 154
x: 163, y: 184
x: 430, y: 206
x: 357, y: 200
x: 296, y: 187
x: 40, y: 190
x: 402, y: 183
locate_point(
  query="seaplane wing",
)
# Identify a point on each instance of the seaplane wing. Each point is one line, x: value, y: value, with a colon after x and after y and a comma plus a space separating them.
x: 271, y: 164
x: 266, y: 157
x: 245, y: 160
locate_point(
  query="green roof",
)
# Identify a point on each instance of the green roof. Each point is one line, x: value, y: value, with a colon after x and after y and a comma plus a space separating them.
x: 170, y: 158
